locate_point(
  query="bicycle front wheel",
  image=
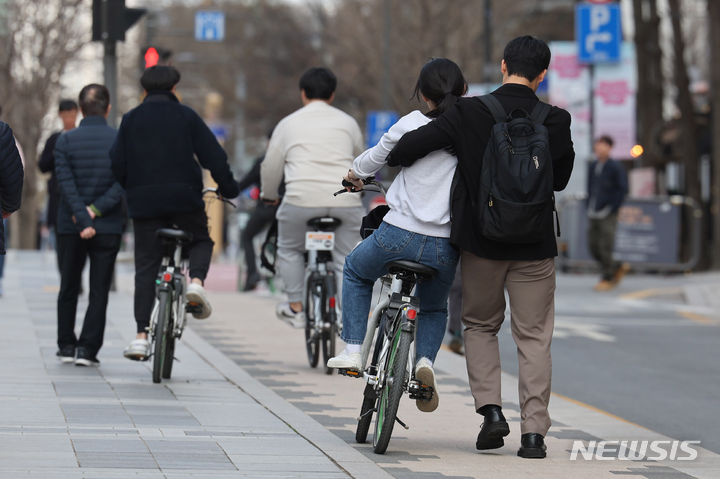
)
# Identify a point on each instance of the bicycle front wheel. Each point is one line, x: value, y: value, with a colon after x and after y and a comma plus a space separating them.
x: 312, y: 315
x: 160, y: 335
x: 389, y: 400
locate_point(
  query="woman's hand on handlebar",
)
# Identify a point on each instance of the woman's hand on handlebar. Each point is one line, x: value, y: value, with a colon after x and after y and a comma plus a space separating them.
x: 352, y: 183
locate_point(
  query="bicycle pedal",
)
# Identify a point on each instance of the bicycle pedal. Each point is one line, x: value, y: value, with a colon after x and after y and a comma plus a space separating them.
x: 420, y: 391
x: 350, y: 373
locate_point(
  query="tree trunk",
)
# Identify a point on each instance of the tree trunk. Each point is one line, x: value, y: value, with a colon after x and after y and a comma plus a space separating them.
x: 714, y: 19
x: 650, y: 83
x: 688, y: 142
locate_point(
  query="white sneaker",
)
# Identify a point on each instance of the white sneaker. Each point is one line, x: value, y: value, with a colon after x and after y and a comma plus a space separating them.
x: 139, y: 350
x: 346, y: 360
x: 285, y: 313
x: 196, y: 296
x: 426, y: 375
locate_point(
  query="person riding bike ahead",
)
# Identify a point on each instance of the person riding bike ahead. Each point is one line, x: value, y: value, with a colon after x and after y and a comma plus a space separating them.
x: 417, y: 228
x: 153, y: 158
x: 312, y: 147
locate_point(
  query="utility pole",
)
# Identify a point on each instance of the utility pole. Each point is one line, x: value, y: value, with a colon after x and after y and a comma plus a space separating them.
x: 488, y: 73
x: 111, y: 19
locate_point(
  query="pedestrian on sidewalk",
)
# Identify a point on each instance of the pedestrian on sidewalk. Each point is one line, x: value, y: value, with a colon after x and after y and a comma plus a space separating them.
x: 89, y: 225
x: 68, y: 113
x: 11, y: 184
x: 455, y: 327
x: 154, y: 159
x: 312, y: 147
x: 607, y: 188
x: 505, y: 246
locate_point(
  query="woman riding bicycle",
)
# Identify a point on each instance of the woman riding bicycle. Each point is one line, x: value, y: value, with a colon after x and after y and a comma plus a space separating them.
x: 417, y: 228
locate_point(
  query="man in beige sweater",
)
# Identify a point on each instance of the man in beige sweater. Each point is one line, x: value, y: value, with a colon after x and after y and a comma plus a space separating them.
x: 313, y: 148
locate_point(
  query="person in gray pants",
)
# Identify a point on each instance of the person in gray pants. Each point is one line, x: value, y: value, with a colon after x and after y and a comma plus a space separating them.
x: 312, y: 148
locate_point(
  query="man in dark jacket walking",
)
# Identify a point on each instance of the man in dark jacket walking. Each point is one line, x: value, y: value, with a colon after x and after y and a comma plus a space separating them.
x: 489, y: 267
x: 11, y: 183
x: 90, y: 224
x: 67, y: 112
x: 607, y: 188
x: 154, y: 159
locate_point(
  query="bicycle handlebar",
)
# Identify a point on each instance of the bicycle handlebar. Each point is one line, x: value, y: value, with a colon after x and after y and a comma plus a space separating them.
x: 218, y: 196
x: 369, y: 181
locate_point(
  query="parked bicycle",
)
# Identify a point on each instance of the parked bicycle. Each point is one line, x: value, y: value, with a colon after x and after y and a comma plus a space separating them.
x: 169, y: 315
x: 391, y: 330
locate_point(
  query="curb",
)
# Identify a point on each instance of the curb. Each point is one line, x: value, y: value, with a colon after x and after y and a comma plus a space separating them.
x: 356, y: 464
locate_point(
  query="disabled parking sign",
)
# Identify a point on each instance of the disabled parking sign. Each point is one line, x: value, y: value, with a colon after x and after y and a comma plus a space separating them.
x: 598, y: 32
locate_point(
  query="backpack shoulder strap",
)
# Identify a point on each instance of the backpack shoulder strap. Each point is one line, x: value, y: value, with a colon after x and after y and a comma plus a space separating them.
x: 540, y: 113
x: 495, y: 107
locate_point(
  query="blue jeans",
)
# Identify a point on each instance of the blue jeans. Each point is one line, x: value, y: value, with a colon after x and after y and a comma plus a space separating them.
x: 366, y: 263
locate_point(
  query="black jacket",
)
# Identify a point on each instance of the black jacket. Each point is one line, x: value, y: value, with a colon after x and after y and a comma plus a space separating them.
x: 609, y: 188
x: 11, y: 177
x: 465, y: 127
x: 82, y: 169
x: 46, y: 163
x: 154, y: 158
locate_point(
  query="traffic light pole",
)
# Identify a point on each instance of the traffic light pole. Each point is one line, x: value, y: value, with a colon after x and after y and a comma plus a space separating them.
x: 110, y: 73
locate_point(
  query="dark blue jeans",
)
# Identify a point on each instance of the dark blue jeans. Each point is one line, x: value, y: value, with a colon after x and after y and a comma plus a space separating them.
x: 367, y: 262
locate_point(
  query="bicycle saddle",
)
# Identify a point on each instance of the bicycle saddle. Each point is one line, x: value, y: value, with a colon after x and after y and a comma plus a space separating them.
x: 420, y: 270
x: 324, y: 223
x: 173, y: 234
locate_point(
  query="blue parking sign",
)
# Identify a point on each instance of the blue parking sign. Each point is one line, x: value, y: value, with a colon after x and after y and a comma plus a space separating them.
x: 209, y: 26
x: 598, y: 32
x: 378, y: 122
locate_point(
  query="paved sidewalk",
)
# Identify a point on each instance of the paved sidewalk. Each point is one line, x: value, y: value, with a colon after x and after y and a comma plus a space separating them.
x: 212, y: 420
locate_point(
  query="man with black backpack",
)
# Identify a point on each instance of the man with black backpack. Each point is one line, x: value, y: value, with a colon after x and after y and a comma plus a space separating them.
x: 513, y: 152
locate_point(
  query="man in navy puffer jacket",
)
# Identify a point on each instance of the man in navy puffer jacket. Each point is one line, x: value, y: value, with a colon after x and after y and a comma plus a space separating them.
x: 90, y: 222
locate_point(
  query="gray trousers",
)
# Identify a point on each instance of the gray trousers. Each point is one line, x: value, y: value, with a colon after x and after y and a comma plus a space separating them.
x: 531, y: 290
x: 292, y: 226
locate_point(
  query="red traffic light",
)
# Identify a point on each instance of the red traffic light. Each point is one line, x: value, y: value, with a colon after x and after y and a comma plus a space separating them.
x: 151, y: 57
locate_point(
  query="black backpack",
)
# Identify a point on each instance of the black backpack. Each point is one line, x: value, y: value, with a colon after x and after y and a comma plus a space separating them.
x: 516, y: 200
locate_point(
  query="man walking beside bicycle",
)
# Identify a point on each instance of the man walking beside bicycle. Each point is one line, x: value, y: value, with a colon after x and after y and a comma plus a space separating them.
x: 513, y: 152
x: 154, y: 159
x: 89, y: 224
x: 312, y: 147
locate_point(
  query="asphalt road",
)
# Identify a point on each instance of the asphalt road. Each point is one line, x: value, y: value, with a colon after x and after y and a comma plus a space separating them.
x: 640, y: 360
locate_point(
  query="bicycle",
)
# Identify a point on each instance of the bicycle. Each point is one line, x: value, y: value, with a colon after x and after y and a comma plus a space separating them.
x: 391, y: 372
x: 169, y: 315
x: 321, y: 324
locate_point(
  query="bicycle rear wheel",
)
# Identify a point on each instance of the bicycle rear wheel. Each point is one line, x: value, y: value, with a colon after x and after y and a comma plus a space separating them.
x: 369, y: 400
x: 328, y: 340
x: 169, y: 346
x: 160, y: 335
x: 312, y: 341
x: 389, y: 400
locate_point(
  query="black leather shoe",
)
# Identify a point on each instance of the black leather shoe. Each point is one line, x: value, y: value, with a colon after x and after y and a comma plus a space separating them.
x: 532, y: 446
x: 494, y: 428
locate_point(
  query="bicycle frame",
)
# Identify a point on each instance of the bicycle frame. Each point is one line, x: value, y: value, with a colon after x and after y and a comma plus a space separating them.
x: 176, y: 266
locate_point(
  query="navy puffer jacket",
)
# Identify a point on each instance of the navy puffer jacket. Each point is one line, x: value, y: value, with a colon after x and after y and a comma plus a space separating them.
x: 85, y: 179
x: 11, y: 177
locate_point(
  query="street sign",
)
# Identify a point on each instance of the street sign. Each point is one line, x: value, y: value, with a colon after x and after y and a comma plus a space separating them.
x: 209, y: 26
x: 378, y: 122
x: 598, y: 32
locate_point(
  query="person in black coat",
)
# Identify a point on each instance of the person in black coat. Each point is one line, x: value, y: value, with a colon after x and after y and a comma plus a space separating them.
x: 68, y: 113
x: 607, y: 187
x: 154, y: 159
x: 90, y: 223
x: 489, y: 267
x: 11, y: 183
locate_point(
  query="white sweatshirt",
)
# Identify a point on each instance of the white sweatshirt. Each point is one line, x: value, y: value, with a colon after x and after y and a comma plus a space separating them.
x: 313, y: 148
x: 419, y: 198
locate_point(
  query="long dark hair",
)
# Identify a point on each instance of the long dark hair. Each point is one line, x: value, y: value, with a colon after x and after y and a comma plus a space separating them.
x: 441, y: 81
